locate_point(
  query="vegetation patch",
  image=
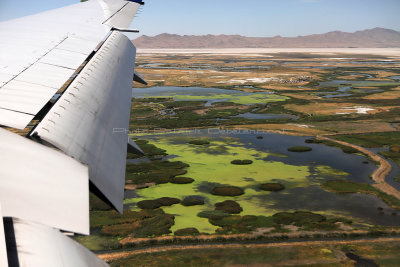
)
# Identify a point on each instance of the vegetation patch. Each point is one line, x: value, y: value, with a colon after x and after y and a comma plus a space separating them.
x: 187, y: 231
x: 148, y: 204
x: 149, y: 150
x: 182, y: 180
x: 213, y: 214
x: 199, y: 142
x: 272, y: 187
x: 241, y: 224
x: 193, y: 201
x: 241, y: 162
x: 229, y: 206
x: 387, y: 139
x: 168, y: 201
x: 157, y: 171
x: 313, y: 141
x: 347, y: 187
x: 298, y: 218
x: 345, y: 149
x: 372, y: 139
x: 96, y: 242
x: 227, y: 191
x: 382, y: 253
x: 349, y: 150
x: 299, y: 149
x: 156, y: 203
x: 144, y: 223
x: 97, y: 204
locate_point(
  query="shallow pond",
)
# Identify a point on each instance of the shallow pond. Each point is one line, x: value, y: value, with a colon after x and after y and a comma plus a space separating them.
x: 341, y: 83
x: 301, y: 173
x: 336, y: 95
x: 211, y: 95
x: 396, y: 78
x: 344, y: 86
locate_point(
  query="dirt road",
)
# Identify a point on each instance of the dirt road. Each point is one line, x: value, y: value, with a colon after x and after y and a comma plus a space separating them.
x: 379, y: 175
x: 125, y: 254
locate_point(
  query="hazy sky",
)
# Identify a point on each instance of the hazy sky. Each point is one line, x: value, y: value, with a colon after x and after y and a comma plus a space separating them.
x: 245, y: 17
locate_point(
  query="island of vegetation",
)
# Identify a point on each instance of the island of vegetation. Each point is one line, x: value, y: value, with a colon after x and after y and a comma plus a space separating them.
x: 227, y: 191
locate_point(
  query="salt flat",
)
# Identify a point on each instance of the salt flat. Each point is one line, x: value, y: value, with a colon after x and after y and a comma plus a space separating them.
x: 391, y: 52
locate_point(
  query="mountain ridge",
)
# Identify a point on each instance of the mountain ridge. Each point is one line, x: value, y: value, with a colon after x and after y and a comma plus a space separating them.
x: 369, y: 38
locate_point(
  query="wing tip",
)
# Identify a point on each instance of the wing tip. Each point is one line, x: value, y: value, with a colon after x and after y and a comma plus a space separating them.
x: 137, y: 1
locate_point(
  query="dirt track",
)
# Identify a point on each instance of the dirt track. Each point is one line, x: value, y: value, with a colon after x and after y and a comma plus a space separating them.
x: 125, y: 254
x: 379, y: 175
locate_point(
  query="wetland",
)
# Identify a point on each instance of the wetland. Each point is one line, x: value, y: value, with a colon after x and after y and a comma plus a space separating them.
x: 230, y: 149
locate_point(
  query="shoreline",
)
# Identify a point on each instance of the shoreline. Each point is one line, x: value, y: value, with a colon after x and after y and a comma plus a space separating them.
x: 380, y: 174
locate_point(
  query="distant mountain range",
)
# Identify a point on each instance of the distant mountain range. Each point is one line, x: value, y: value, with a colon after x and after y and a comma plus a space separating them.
x: 372, y: 38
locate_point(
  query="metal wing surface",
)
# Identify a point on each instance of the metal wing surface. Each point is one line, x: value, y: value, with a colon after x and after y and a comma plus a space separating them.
x: 43, y: 185
x: 40, y: 53
x: 79, y: 53
x: 90, y: 120
x: 35, y: 245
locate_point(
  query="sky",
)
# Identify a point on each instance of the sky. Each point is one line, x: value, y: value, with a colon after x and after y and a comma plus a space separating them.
x: 263, y: 18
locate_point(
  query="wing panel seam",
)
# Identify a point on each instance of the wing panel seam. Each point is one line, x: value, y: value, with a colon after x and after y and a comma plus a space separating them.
x: 115, y: 13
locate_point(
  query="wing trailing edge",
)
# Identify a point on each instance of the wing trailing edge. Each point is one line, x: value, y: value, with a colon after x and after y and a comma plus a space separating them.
x: 43, y: 185
x: 90, y: 121
x: 32, y: 245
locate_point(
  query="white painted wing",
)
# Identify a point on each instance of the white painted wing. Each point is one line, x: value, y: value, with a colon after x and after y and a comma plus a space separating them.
x: 39, y: 53
x: 90, y: 121
x: 43, y: 185
x: 42, y: 246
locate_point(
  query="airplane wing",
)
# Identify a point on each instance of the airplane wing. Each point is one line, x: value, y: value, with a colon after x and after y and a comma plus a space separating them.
x: 43, y: 246
x: 72, y: 70
x: 40, y: 53
x: 91, y: 119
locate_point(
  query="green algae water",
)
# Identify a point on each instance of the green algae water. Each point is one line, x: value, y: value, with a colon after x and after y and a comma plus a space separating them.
x: 211, y: 95
x: 300, y: 173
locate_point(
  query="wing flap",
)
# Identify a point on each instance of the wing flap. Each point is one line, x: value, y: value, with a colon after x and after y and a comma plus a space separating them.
x: 83, y: 122
x: 42, y: 184
x: 39, y: 245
